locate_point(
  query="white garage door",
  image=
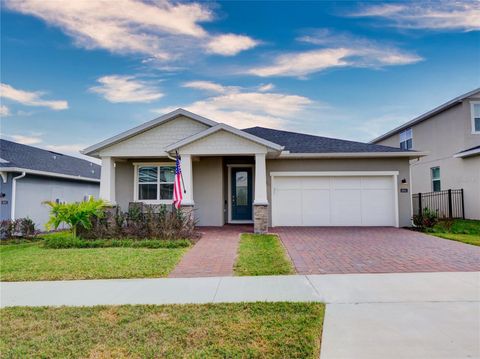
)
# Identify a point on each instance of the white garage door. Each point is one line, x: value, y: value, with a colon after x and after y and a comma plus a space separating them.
x: 333, y: 201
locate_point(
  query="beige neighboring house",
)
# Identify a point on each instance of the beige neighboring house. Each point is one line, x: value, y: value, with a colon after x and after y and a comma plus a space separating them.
x: 257, y: 175
x: 450, y: 134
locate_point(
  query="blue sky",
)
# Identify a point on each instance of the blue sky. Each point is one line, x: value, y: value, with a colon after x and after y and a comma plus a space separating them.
x: 75, y: 73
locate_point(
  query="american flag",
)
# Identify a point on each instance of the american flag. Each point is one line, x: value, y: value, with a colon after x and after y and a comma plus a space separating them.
x: 177, y: 187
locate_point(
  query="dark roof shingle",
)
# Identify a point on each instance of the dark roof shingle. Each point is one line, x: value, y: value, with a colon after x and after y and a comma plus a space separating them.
x: 303, y: 143
x: 14, y: 154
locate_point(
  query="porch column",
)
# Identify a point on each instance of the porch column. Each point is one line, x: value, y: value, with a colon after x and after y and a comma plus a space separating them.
x: 187, y: 180
x: 260, y: 203
x: 107, y: 180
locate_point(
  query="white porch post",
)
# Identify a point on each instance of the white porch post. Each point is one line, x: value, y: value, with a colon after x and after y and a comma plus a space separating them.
x: 260, y: 180
x: 187, y: 180
x: 107, y: 180
x: 260, y: 203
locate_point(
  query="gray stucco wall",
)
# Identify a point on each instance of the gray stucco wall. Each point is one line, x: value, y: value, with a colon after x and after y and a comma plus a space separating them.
x: 443, y: 136
x: 33, y: 190
x: 208, y: 193
x: 124, y: 172
x: 390, y: 164
x: 6, y: 201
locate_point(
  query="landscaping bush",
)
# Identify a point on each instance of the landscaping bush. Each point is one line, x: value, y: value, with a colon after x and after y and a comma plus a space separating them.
x: 151, y: 222
x: 61, y: 240
x: 75, y: 215
x: 427, y: 219
x: 19, y: 228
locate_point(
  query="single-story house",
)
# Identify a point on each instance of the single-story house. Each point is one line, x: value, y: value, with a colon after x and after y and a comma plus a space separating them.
x: 30, y: 176
x: 257, y: 175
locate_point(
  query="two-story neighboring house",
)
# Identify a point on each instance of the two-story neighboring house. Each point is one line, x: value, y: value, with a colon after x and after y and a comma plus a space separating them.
x: 450, y: 134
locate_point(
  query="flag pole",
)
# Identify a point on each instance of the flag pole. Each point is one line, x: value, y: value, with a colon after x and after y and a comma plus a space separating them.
x: 181, y: 173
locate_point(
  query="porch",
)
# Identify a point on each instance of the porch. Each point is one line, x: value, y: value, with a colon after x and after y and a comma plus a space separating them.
x: 218, y: 189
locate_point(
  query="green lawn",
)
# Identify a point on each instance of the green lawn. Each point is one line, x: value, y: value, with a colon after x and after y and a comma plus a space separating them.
x: 262, y: 254
x: 462, y: 230
x: 30, y: 261
x: 242, y: 330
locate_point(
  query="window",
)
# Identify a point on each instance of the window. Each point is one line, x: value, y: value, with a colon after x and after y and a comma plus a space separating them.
x: 155, y: 183
x: 475, y: 107
x: 436, y: 187
x: 406, y: 142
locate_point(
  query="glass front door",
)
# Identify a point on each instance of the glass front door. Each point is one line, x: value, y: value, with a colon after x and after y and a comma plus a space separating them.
x: 241, y: 194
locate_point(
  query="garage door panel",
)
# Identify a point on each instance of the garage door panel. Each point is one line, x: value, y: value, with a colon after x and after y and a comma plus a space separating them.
x: 316, y: 182
x: 289, y: 210
x: 315, y: 214
x: 347, y: 182
x: 334, y: 201
x: 378, y: 208
x: 346, y: 208
x: 374, y: 182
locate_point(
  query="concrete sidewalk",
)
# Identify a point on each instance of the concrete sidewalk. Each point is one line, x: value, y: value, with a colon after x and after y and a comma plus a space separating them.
x: 334, y: 288
x: 407, y: 315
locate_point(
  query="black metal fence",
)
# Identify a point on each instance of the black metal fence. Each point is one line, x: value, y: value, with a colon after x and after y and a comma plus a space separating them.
x: 447, y: 204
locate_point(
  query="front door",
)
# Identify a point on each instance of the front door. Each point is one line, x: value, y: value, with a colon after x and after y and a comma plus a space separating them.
x: 241, y: 194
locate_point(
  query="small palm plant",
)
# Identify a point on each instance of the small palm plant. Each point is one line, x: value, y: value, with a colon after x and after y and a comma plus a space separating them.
x: 75, y: 214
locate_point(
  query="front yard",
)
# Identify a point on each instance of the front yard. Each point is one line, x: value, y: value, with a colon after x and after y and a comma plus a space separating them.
x: 30, y: 261
x: 253, y: 330
x: 461, y: 230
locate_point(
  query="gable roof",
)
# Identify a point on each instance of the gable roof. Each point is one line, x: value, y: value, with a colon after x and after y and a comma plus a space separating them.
x: 17, y: 157
x: 145, y: 127
x: 302, y: 143
x: 427, y: 115
x: 224, y: 127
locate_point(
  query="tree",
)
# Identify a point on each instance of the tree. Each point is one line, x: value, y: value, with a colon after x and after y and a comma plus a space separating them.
x: 74, y: 214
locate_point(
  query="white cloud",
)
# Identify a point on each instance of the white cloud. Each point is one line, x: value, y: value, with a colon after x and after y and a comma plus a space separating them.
x: 30, y: 98
x: 338, y: 50
x: 266, y: 87
x: 26, y: 140
x: 230, y: 44
x: 119, y: 88
x: 435, y: 15
x: 245, y: 108
x: 158, y: 29
x: 205, y: 85
x: 4, y: 111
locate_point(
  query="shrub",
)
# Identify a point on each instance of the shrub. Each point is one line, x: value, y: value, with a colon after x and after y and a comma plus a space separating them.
x: 75, y: 214
x: 427, y: 219
x: 153, y: 222
x: 21, y: 227
x: 66, y: 240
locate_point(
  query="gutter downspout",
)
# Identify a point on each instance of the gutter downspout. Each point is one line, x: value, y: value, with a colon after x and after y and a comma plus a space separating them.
x: 14, y: 191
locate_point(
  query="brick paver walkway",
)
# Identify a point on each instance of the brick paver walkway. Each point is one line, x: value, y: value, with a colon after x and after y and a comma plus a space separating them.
x: 214, y: 254
x: 319, y: 250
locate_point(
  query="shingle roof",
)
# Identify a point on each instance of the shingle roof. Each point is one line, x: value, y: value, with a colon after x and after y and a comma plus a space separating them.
x: 303, y: 143
x: 14, y: 154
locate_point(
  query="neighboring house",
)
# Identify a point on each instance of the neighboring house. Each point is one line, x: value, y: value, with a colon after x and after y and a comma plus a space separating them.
x: 257, y: 175
x: 31, y: 175
x: 450, y: 134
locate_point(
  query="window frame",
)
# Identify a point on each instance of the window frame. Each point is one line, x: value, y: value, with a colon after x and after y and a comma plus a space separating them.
x: 410, y: 129
x: 439, y: 179
x: 136, y: 182
x: 472, y: 116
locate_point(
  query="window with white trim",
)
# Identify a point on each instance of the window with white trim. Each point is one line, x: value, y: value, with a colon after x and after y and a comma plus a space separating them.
x: 155, y: 183
x: 436, y: 185
x: 475, y: 108
x: 406, y: 139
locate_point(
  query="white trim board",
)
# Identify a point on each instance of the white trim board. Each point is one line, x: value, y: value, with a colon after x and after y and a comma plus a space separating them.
x: 50, y: 174
x: 409, y: 154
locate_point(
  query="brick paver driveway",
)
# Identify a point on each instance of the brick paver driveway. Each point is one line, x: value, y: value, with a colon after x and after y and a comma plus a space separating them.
x: 214, y: 254
x: 318, y: 250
